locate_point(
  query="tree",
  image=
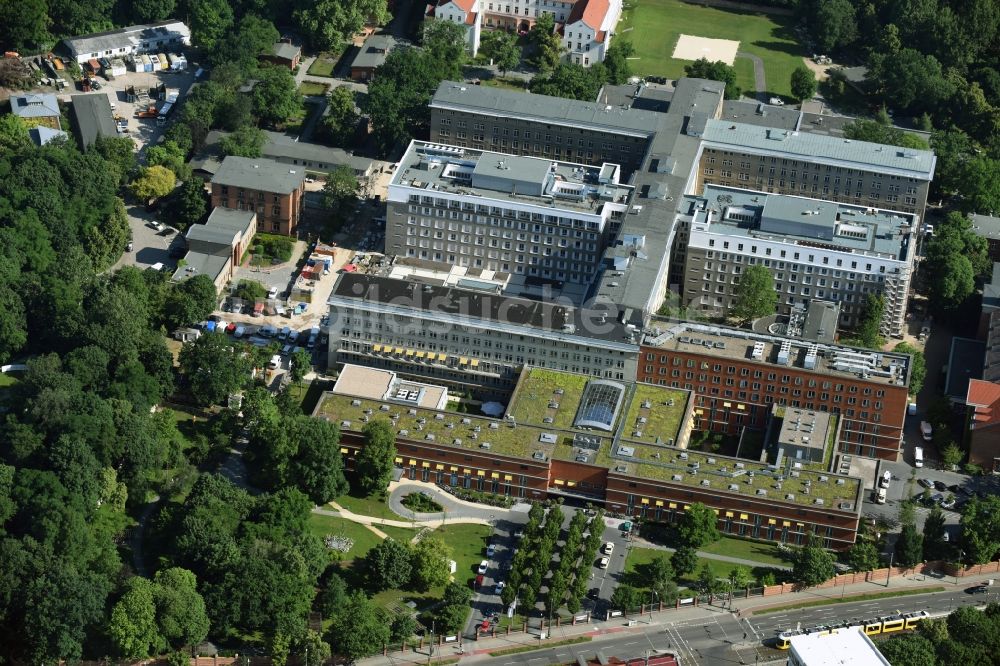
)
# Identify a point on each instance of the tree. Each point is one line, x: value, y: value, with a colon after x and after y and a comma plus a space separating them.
x: 13, y: 134
x: 981, y: 529
x: 864, y: 556
x: 327, y: 23
x: 180, y: 609
x: 616, y: 61
x: 213, y: 369
x: 250, y: 291
x: 209, y: 21
x: 153, y: 182
x: 698, y: 526
x: 832, y: 23
x: 754, y: 296
x: 398, y: 97
x: 133, y: 621
x: 876, y: 131
x: 170, y: 155
x: 684, y: 560
x: 300, y: 363
x: 546, y: 43
x: 980, y: 185
x: 715, y: 71
x: 252, y: 37
x: 625, y: 597
x: 25, y: 26
x: 707, y: 582
x: 933, y: 542
x: 246, y: 141
x: 190, y: 301
x: 660, y: 576
x: 402, y: 627
x: 340, y: 188
x: 429, y: 559
x: 388, y: 565
x: 918, y: 366
x: 572, y: 81
x: 803, y: 83
x: 501, y: 48
x: 740, y: 577
x: 359, y: 629
x: 951, y: 455
x: 910, y: 79
x: 446, y: 43
x: 339, y: 124
x: 813, y: 564
x: 119, y: 152
x: 911, y: 650
x: 909, y: 546
x: 955, y: 256
x: 151, y: 11
x: 374, y: 462
x: 275, y: 97
x: 190, y: 203
x: 870, y: 322
x: 333, y: 595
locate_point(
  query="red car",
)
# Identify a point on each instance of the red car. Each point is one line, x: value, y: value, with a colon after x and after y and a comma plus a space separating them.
x: 231, y: 327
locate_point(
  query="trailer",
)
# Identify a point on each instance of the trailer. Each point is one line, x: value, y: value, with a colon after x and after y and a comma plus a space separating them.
x: 164, y: 114
x: 178, y: 62
x: 164, y: 63
x: 171, y: 95
x: 147, y: 66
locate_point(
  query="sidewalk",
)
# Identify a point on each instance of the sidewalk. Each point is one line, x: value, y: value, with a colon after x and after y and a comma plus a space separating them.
x: 477, y: 651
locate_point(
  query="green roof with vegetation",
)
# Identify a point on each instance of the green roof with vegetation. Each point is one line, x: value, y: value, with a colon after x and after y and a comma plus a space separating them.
x: 643, y: 456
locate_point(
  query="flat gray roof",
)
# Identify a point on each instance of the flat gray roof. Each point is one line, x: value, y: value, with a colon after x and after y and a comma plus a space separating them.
x: 758, y: 113
x: 199, y: 263
x: 129, y: 35
x: 257, y: 173
x: 986, y: 226
x: 799, y: 220
x: 491, y: 101
x: 744, y: 137
x: 966, y: 361
x: 503, y: 177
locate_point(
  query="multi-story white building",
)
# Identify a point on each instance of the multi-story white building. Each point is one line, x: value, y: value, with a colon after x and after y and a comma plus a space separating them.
x: 814, y: 249
x: 472, y: 337
x: 586, y: 25
x: 526, y: 216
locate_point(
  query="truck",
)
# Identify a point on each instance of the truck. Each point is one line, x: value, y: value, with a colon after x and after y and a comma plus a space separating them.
x: 161, y: 118
x: 149, y: 112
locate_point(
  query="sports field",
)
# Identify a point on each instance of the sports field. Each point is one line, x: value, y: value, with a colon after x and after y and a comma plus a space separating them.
x: 653, y: 27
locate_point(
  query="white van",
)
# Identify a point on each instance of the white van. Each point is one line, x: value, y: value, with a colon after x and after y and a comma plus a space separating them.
x: 918, y: 456
x: 880, y: 495
x: 926, y: 430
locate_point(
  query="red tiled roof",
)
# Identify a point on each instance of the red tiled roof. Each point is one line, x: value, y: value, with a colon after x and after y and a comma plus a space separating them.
x: 601, y: 34
x: 464, y: 5
x: 591, y: 12
x: 470, y: 18
x: 984, y: 397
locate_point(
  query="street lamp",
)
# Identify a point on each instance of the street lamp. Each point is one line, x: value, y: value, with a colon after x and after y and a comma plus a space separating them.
x: 651, y: 593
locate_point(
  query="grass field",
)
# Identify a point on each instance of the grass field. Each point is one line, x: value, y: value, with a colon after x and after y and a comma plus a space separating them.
x: 765, y: 553
x: 376, y: 507
x: 323, y: 64
x: 654, y: 25
x: 316, y: 89
x: 638, y: 558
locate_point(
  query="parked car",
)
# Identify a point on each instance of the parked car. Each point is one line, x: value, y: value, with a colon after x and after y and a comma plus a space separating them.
x: 491, y: 550
x: 239, y: 332
x: 478, y: 581
x: 977, y: 589
x: 940, y: 485
x: 604, y: 562
x: 926, y: 430
x: 499, y: 587
x: 483, y: 567
x: 231, y: 327
x: 608, y: 548
x: 293, y: 336
x: 129, y: 246
x: 885, y: 479
x: 267, y: 331
x: 880, y: 495
x: 948, y: 503
x: 926, y: 483
x: 283, y: 333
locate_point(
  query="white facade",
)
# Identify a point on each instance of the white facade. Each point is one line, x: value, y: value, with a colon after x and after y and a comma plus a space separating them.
x: 136, y: 39
x: 465, y: 13
x: 587, y: 39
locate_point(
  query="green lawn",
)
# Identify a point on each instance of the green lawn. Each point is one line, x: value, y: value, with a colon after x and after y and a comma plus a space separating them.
x: 376, y: 507
x: 364, y: 538
x: 314, y: 89
x: 638, y: 558
x: 653, y: 26
x: 323, y: 64
x: 765, y: 553
x: 7, y: 379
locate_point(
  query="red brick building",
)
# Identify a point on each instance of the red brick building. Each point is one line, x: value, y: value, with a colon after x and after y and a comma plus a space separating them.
x: 737, y: 375
x: 272, y: 190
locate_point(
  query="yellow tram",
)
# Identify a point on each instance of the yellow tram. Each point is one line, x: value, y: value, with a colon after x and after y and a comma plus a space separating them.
x: 880, y: 625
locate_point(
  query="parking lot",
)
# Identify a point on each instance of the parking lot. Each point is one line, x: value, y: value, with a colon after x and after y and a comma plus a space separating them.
x: 486, y: 602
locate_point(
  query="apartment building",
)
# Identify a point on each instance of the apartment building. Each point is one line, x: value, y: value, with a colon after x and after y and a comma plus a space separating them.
x: 988, y: 227
x: 616, y: 443
x: 814, y: 250
x: 272, y: 190
x: 738, y: 376
x: 586, y: 25
x: 813, y: 165
x: 521, y: 215
x: 476, y: 339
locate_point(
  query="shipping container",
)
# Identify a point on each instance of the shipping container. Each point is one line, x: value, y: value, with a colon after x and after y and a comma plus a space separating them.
x: 94, y: 66
x: 164, y: 63
x: 118, y: 67
x: 154, y: 62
